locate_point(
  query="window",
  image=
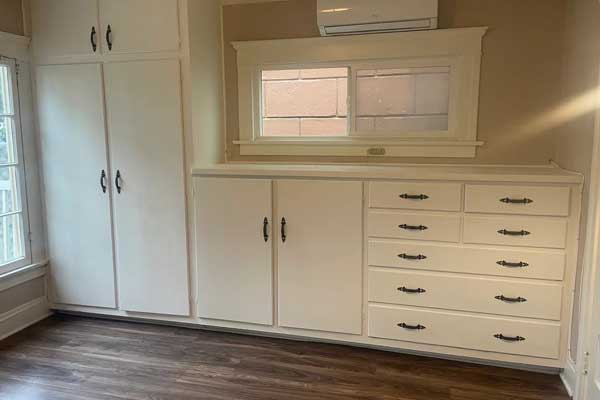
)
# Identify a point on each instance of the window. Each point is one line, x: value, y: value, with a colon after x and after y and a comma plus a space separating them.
x: 14, y: 244
x: 401, y: 94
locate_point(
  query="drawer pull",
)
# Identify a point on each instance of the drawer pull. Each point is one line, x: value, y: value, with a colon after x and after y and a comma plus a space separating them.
x: 266, y: 229
x: 509, y: 338
x: 514, y: 233
x: 412, y: 327
x: 512, y: 265
x: 407, y: 196
x: 413, y: 227
x: 411, y: 291
x: 508, y: 200
x: 405, y: 256
x: 511, y: 299
x: 283, y: 230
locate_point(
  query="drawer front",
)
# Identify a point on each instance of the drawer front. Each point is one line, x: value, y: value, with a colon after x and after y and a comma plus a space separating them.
x: 416, y: 196
x: 541, y: 339
x: 516, y: 231
x: 530, y: 200
x: 491, y: 296
x: 520, y: 263
x: 444, y: 228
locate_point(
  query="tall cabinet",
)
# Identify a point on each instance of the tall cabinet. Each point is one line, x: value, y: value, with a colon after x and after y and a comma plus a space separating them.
x: 112, y: 146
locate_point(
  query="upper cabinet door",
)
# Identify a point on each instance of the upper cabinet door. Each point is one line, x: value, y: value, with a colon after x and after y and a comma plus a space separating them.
x: 143, y: 100
x: 320, y: 255
x: 132, y: 26
x: 65, y: 27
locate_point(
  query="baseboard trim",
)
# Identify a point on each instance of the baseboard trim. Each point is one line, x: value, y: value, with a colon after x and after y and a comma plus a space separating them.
x: 23, y: 316
x: 569, y: 377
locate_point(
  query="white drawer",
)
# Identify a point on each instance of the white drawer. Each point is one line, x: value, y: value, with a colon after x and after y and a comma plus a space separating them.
x: 485, y: 295
x: 532, y: 200
x: 516, y: 231
x: 541, y: 339
x: 421, y: 226
x: 416, y: 196
x: 522, y: 263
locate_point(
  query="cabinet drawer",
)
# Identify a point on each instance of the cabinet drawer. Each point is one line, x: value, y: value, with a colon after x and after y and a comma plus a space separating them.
x: 531, y: 200
x: 436, y: 227
x: 536, y: 338
x: 416, y: 196
x: 521, y: 263
x: 486, y: 295
x: 516, y: 231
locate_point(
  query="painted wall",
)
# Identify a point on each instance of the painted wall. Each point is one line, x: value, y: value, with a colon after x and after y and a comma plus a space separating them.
x: 11, y: 16
x: 521, y: 67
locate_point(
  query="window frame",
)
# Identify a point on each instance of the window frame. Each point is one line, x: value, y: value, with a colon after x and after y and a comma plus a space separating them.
x: 459, y: 49
x: 19, y: 165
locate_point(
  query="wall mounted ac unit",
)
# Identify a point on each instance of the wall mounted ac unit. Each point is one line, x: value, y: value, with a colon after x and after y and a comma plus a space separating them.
x: 352, y: 17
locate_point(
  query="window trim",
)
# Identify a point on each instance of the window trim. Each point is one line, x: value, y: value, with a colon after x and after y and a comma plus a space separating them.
x: 458, y: 48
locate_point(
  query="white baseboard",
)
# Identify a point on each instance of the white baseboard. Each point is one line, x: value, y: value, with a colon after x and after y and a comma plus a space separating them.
x: 569, y: 377
x: 23, y: 316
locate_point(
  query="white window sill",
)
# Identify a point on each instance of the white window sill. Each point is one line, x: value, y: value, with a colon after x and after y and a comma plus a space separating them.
x: 22, y: 275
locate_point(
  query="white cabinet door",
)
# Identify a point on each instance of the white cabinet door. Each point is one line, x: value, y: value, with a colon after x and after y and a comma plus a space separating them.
x: 143, y: 101
x: 73, y: 149
x: 139, y: 25
x: 234, y: 247
x: 320, y: 261
x: 64, y: 27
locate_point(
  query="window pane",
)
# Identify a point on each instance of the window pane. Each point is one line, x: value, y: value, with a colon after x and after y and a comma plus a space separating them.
x: 402, y: 100
x: 305, y: 102
x: 7, y: 140
x: 5, y: 91
x: 9, y: 190
x: 11, y: 243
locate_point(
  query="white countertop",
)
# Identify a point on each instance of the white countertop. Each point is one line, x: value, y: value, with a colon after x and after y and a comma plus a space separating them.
x: 536, y: 174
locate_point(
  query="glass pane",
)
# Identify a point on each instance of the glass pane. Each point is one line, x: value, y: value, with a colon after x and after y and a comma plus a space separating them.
x: 7, y: 140
x: 397, y: 101
x: 9, y: 190
x: 5, y: 90
x: 305, y: 102
x: 11, y: 238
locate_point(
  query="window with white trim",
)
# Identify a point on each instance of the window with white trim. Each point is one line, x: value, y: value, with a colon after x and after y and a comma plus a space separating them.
x: 14, y: 229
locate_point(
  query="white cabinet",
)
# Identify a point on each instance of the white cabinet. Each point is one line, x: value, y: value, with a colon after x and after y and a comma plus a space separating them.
x: 234, y: 245
x: 75, y: 171
x: 143, y: 100
x: 320, y: 255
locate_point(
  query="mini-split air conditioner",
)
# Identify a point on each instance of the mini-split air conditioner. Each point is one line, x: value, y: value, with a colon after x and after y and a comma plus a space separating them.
x: 352, y: 17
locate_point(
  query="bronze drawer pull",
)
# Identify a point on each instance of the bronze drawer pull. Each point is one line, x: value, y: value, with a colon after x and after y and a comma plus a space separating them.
x: 412, y: 327
x: 407, y: 196
x: 507, y: 264
x: 405, y: 256
x: 511, y: 299
x: 508, y: 200
x: 411, y: 291
x: 509, y: 338
x: 514, y: 233
x: 413, y: 227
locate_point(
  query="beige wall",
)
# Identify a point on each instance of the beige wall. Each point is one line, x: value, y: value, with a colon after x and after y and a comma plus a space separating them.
x: 21, y: 294
x: 11, y: 16
x: 520, y: 73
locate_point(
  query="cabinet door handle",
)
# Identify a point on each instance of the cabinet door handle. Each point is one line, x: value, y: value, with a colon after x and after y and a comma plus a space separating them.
x: 500, y: 336
x: 514, y: 233
x: 103, y: 181
x: 118, y: 182
x: 511, y: 299
x: 508, y: 200
x: 413, y: 227
x: 283, y: 230
x: 412, y: 327
x: 405, y: 256
x: 266, y: 229
x: 109, y: 37
x: 411, y: 291
x: 93, y: 39
x: 407, y: 196
x: 507, y: 264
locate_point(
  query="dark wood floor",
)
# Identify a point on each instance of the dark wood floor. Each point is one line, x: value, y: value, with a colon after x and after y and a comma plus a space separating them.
x: 71, y: 358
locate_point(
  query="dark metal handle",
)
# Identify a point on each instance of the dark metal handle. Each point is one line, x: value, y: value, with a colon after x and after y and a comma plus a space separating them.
x: 283, y: 234
x: 93, y: 39
x: 413, y: 227
x: 507, y: 264
x: 514, y: 233
x: 405, y: 256
x: 407, y: 196
x: 411, y: 291
x: 509, y: 338
x: 508, y: 200
x: 109, y: 37
x: 266, y: 229
x: 412, y: 327
x: 118, y: 182
x: 103, y: 181
x: 511, y: 299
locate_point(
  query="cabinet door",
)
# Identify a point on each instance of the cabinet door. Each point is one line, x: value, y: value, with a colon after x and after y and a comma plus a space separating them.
x: 139, y: 25
x: 146, y: 147
x: 73, y: 149
x: 64, y: 27
x: 234, y: 249
x: 320, y: 261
